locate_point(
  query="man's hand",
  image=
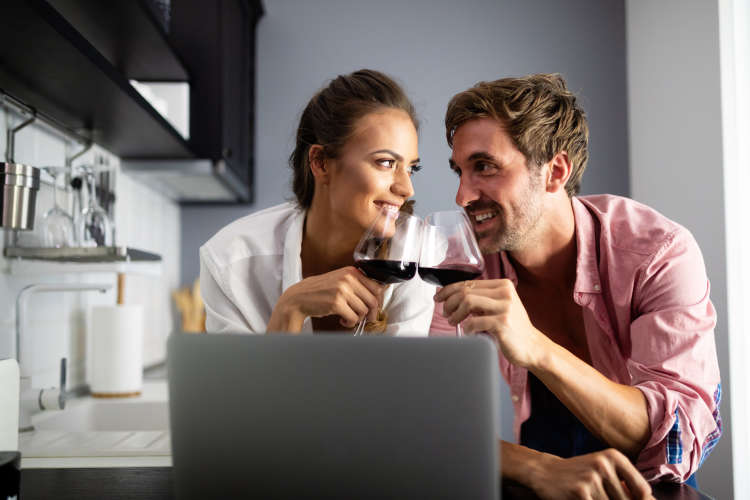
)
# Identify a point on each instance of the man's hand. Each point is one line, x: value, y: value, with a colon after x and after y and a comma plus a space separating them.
x: 605, y: 474
x: 493, y: 307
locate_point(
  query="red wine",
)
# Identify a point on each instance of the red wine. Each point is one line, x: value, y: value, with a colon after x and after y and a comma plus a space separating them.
x: 388, y: 271
x: 443, y: 276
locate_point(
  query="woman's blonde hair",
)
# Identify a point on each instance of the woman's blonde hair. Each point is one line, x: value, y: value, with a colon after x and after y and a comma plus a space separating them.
x: 539, y: 113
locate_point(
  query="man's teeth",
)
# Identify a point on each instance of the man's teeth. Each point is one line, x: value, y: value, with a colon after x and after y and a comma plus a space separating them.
x: 482, y: 217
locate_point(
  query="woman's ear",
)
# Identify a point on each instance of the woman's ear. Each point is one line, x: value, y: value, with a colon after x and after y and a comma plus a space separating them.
x: 559, y: 172
x: 317, y: 160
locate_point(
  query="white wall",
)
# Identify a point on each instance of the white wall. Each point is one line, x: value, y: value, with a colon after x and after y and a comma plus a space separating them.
x: 734, y: 27
x: 58, y: 321
x: 434, y: 48
x: 675, y: 124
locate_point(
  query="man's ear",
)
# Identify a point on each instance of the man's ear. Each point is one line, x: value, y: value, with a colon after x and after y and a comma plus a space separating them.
x: 559, y: 172
x: 317, y: 160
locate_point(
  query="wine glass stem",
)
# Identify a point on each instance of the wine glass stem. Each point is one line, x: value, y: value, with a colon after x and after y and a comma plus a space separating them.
x: 459, y: 330
x: 54, y: 189
x: 360, y: 327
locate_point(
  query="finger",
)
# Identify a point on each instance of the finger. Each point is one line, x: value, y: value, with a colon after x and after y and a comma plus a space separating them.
x: 612, y: 484
x: 459, y: 294
x: 482, y: 324
x: 373, y: 286
x: 475, y: 305
x: 635, y: 482
x: 485, y: 300
x: 449, y: 290
x: 359, y: 307
x: 349, y: 318
x: 371, y: 300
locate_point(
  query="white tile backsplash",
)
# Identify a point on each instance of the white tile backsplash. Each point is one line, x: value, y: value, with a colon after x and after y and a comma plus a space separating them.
x: 57, y: 322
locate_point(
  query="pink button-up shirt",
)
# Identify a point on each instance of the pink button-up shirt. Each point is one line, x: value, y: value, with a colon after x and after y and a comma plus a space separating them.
x: 642, y: 285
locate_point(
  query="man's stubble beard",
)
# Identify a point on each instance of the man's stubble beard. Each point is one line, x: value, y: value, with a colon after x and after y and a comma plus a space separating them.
x: 520, y: 231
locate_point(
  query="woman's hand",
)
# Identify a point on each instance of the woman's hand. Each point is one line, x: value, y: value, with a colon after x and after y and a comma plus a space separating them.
x: 345, y: 292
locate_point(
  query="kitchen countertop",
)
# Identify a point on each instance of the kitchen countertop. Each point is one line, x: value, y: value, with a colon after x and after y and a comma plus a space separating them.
x: 155, y: 483
x: 86, y: 437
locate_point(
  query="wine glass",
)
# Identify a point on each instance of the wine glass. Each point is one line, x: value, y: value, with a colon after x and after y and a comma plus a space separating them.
x: 450, y: 252
x: 389, y: 249
x: 58, y: 228
x: 94, y: 226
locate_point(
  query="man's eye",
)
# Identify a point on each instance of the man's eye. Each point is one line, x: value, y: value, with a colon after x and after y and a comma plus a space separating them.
x: 483, y: 167
x: 386, y: 162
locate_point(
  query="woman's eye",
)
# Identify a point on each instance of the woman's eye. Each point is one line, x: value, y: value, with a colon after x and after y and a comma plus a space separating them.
x: 413, y: 169
x: 386, y: 162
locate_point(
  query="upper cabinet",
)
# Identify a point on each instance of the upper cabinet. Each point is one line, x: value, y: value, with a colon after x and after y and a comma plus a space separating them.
x: 216, y: 40
x: 72, y: 60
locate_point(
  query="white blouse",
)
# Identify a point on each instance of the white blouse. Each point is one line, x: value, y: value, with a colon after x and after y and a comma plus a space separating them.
x: 249, y: 263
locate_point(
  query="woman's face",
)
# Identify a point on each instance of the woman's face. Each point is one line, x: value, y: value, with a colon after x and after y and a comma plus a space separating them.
x: 373, y: 169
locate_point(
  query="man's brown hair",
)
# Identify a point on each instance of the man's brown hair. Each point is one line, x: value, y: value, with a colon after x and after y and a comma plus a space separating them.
x: 539, y: 113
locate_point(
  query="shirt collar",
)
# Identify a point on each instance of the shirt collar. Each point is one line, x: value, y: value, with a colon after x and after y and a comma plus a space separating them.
x: 292, y: 262
x: 587, y: 245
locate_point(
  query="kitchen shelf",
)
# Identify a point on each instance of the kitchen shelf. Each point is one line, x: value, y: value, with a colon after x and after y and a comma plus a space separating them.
x: 82, y: 260
x: 49, y: 64
x: 128, y: 35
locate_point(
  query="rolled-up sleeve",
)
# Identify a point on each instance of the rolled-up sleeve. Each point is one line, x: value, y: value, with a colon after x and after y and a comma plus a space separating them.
x: 673, y: 360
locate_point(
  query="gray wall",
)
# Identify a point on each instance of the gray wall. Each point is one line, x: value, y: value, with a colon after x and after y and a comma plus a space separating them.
x: 435, y: 48
x: 676, y: 155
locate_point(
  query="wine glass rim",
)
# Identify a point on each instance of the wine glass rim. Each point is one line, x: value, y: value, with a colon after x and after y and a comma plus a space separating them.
x: 458, y: 212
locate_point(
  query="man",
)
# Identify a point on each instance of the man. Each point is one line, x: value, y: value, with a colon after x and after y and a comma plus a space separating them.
x: 599, y: 305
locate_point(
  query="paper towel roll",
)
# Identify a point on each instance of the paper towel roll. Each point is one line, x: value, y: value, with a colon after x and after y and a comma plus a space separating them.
x: 116, y: 350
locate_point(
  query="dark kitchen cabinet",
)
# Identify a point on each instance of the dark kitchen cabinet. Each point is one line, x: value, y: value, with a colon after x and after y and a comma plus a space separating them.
x: 70, y: 60
x: 216, y: 41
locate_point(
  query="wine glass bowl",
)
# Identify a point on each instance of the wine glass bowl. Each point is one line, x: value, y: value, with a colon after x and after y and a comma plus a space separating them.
x: 449, y: 251
x: 94, y: 225
x: 389, y: 250
x: 58, y: 227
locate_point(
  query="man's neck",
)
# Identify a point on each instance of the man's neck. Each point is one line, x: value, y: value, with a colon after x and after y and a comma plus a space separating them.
x: 549, y: 257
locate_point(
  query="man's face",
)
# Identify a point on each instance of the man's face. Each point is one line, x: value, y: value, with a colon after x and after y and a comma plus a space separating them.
x: 502, y: 197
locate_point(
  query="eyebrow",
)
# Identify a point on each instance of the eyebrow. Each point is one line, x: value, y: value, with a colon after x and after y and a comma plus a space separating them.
x: 394, y: 154
x: 479, y: 155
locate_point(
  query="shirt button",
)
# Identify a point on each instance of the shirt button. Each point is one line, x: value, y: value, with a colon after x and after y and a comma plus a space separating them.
x: 597, y: 287
x: 514, y: 398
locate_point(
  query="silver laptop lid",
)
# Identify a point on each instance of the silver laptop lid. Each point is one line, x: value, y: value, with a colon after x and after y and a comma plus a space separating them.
x: 333, y: 416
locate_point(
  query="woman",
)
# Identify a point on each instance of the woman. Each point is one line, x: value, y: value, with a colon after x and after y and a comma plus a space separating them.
x: 289, y: 268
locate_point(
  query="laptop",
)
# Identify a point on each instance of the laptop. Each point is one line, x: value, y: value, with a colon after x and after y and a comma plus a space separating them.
x: 333, y: 416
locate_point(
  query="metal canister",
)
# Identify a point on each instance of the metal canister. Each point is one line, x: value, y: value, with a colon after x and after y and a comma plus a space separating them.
x: 20, y: 184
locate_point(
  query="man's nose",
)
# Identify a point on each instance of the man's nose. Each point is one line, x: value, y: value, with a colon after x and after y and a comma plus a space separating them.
x: 466, y: 193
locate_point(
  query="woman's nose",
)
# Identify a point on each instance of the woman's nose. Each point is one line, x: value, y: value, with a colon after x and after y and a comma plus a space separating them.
x: 402, y: 185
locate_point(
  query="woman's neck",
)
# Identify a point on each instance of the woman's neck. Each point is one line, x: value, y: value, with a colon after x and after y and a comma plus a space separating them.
x: 327, y: 244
